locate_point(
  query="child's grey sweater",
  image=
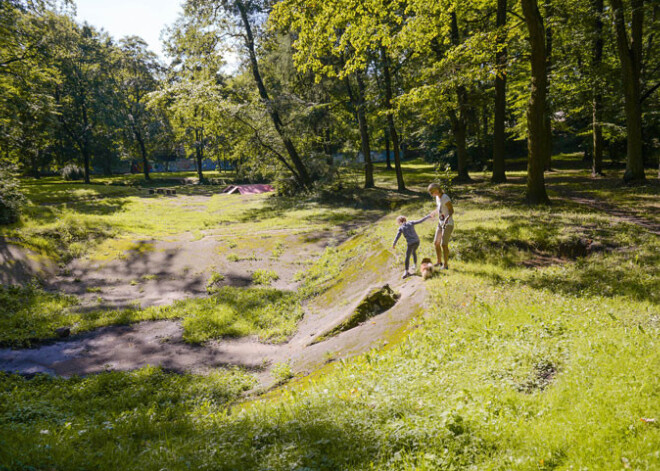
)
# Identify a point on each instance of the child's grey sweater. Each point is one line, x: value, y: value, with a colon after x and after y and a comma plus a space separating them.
x: 408, y: 231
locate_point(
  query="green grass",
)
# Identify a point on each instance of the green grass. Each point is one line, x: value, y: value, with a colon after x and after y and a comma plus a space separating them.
x: 523, y: 360
x: 116, y: 414
x: 270, y: 314
x: 31, y: 314
x: 71, y: 219
x: 264, y: 277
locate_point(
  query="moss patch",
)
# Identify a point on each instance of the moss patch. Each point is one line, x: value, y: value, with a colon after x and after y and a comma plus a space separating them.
x: 377, y: 301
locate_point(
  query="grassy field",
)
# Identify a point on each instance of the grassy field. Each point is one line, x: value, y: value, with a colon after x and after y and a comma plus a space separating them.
x: 67, y: 220
x: 528, y: 357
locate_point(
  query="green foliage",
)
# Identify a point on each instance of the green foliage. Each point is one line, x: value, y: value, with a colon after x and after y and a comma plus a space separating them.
x: 264, y: 277
x: 281, y: 372
x: 11, y: 198
x: 72, y: 172
x: 214, y: 280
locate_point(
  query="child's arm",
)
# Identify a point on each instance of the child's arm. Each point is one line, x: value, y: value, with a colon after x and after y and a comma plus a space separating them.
x: 428, y: 216
x: 396, y: 239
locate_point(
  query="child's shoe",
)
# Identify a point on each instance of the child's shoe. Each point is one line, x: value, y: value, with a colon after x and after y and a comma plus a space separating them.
x: 405, y: 275
x: 413, y: 269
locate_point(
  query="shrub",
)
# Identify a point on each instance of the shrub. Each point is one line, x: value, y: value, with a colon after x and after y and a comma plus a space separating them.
x: 287, y: 186
x: 11, y: 197
x: 72, y: 172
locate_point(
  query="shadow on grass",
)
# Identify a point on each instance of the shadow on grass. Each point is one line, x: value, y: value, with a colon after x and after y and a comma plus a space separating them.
x: 152, y: 418
x: 602, y: 276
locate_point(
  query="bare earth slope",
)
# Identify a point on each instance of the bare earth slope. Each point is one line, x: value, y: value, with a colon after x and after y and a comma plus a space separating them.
x: 160, y: 342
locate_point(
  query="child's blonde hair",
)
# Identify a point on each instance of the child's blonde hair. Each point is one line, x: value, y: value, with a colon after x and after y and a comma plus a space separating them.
x: 401, y: 219
x: 435, y: 186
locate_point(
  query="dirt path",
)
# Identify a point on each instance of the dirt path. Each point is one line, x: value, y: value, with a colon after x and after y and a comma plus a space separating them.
x: 156, y: 272
x: 151, y: 272
x: 160, y: 343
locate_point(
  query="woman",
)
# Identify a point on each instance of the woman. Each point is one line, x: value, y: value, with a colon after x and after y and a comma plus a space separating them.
x: 445, y: 212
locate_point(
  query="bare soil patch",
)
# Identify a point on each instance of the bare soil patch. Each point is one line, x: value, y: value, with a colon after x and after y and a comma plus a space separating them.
x: 160, y: 342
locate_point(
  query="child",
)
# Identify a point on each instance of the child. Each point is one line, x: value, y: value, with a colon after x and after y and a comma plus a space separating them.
x: 408, y: 230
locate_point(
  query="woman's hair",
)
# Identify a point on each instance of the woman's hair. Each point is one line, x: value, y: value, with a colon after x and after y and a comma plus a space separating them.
x: 401, y: 219
x: 435, y: 186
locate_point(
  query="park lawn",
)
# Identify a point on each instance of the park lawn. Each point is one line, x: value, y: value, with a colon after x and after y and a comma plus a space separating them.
x: 524, y: 360
x: 71, y: 229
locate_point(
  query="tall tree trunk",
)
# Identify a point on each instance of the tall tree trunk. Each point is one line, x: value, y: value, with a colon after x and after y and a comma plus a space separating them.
x: 499, y: 137
x: 548, y: 67
x: 84, y: 148
x: 364, y: 134
x: 357, y: 107
x: 459, y: 130
x: 459, y: 119
x: 86, y: 159
x: 630, y: 54
x: 597, y: 100
x: 143, y: 152
x: 302, y: 174
x: 199, y: 154
x: 327, y: 150
x: 401, y: 186
x: 485, y: 151
x: 35, y: 164
x: 387, y: 149
x: 536, y: 111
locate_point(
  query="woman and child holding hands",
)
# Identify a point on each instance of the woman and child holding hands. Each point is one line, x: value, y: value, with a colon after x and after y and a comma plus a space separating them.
x: 444, y: 211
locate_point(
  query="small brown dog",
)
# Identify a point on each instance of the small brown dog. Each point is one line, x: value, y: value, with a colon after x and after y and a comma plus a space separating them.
x: 426, y: 268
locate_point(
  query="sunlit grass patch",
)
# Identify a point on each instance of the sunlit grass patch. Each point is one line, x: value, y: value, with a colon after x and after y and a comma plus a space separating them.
x: 31, y: 314
x: 234, y: 312
x: 115, y: 249
x: 509, y: 368
x: 264, y: 277
x: 28, y: 313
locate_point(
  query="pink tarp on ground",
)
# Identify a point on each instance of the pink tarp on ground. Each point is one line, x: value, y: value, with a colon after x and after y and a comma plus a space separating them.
x: 248, y: 189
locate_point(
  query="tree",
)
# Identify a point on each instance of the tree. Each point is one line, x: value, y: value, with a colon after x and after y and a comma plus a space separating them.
x: 458, y: 117
x: 630, y: 55
x: 597, y: 100
x: 357, y: 100
x: 537, y: 109
x: 84, y: 93
x: 389, y: 107
x: 340, y: 40
x: 499, y: 137
x: 135, y: 78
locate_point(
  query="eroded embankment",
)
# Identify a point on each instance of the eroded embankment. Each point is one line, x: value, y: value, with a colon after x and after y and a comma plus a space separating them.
x: 334, y: 291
